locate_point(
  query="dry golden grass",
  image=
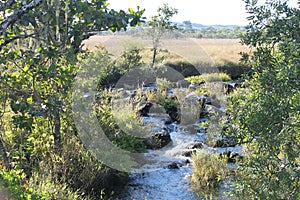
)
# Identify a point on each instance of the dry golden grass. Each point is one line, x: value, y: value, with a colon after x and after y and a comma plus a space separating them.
x: 223, y: 50
x: 217, y: 51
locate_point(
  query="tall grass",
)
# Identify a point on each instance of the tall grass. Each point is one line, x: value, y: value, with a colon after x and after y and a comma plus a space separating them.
x: 220, y: 51
x: 208, y: 170
x: 202, y: 54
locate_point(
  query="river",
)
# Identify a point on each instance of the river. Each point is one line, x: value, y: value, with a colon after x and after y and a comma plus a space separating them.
x: 167, y: 171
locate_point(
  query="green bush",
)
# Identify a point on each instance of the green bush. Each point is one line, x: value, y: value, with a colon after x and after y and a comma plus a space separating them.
x: 208, y: 170
x: 266, y: 115
x: 166, y: 104
x: 212, y: 77
x: 110, y: 71
x: 120, y: 121
x: 16, y: 186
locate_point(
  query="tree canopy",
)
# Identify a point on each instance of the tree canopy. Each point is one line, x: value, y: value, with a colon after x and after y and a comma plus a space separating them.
x: 267, y: 115
x: 40, y: 45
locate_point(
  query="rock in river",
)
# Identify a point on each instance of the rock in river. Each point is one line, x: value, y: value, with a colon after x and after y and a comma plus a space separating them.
x: 159, y: 140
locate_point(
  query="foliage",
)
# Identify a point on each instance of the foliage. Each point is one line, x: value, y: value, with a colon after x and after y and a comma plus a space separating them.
x: 211, y: 77
x: 266, y: 114
x: 163, y: 84
x: 17, y: 187
x: 11, y: 181
x: 212, y: 32
x: 208, y: 170
x: 40, y: 44
x: 159, y: 24
x: 165, y: 103
x: 120, y: 121
x: 61, y: 23
x: 109, y: 71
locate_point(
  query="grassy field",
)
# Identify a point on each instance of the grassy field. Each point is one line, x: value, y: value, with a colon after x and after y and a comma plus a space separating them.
x: 221, y: 53
x: 223, y: 50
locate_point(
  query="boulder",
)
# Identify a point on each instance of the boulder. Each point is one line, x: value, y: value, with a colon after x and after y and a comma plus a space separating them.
x: 173, y: 114
x: 225, y: 142
x: 173, y: 165
x: 144, y: 111
x: 182, y: 84
x: 178, y: 164
x: 188, y: 152
x: 232, y: 157
x: 195, y: 145
x: 159, y: 140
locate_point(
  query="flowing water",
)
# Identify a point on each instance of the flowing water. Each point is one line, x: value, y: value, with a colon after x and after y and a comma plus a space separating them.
x: 158, y: 181
x: 167, y: 171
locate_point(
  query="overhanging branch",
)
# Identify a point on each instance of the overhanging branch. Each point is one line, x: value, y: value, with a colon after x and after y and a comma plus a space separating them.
x: 17, y: 15
x: 8, y: 3
x: 13, y: 39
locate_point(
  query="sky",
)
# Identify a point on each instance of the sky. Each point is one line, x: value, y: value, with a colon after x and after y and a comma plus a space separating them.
x: 206, y: 12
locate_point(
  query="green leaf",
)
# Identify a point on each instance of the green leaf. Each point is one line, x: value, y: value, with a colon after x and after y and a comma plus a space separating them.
x: 130, y: 10
x: 51, y: 67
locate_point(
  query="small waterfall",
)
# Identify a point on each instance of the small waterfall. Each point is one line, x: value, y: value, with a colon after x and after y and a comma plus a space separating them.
x: 167, y: 171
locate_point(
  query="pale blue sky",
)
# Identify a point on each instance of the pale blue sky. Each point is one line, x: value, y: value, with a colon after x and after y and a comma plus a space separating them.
x: 207, y: 12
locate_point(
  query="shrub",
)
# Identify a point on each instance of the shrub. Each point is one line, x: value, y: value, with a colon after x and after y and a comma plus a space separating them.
x: 267, y: 115
x: 211, y: 77
x: 208, y: 170
x: 163, y: 84
x: 120, y: 121
x: 17, y: 187
x: 166, y: 104
x: 100, y: 62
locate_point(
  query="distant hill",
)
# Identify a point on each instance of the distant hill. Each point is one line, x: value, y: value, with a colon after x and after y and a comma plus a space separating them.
x: 216, y: 26
x: 200, y: 26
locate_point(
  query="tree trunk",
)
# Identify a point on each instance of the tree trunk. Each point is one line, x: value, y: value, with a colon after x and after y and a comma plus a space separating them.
x: 154, y: 57
x: 56, y: 134
x: 4, y: 155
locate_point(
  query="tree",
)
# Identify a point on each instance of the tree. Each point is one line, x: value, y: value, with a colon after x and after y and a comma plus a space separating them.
x: 267, y: 116
x: 68, y: 22
x: 38, y: 40
x: 188, y: 27
x: 40, y: 44
x: 158, y: 24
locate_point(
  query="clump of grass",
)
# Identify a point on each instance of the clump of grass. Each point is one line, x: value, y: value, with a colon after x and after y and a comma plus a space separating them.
x: 208, y: 170
x: 163, y: 84
x: 211, y: 77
